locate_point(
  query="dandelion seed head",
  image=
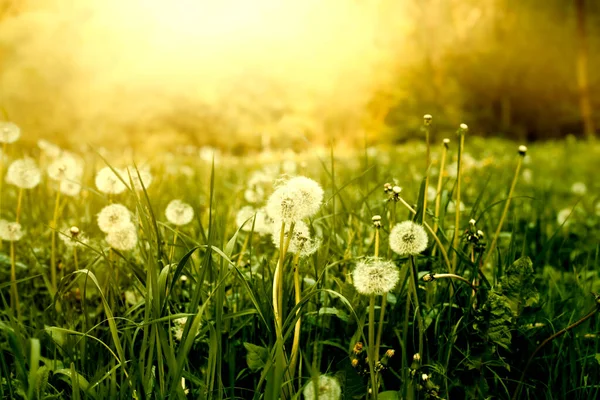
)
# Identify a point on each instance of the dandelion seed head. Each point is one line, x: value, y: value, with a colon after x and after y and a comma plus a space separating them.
x: 9, y: 132
x: 10, y: 231
x: 262, y: 223
x: 72, y: 237
x: 328, y: 388
x: 70, y: 188
x: 114, y: 217
x: 124, y: 239
x: 579, y: 188
x: 65, y: 167
x: 143, y: 180
x: 24, y: 173
x: 522, y: 150
x: 564, y: 216
x: 408, y: 238
x: 301, y: 241
x: 374, y: 276
x: 179, y: 213
x: 49, y: 149
x: 108, y: 182
x: 297, y: 198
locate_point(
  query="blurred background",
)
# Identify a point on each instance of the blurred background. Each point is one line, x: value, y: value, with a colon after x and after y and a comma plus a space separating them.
x: 244, y: 75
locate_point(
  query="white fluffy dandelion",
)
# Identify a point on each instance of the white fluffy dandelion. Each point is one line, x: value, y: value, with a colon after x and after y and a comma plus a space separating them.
x: 179, y: 213
x: 108, y: 182
x: 408, y: 238
x: 124, y: 239
x: 114, y: 217
x: 327, y: 388
x: 301, y: 240
x: 262, y: 223
x: 24, y: 173
x: 70, y: 188
x: 65, y: 167
x: 579, y: 188
x: 374, y: 276
x: 9, y: 132
x: 298, y: 198
x: 49, y: 149
x: 145, y: 178
x: 10, y: 231
x: 564, y: 216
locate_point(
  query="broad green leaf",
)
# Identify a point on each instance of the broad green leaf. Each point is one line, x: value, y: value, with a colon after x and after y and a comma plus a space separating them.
x: 256, y: 357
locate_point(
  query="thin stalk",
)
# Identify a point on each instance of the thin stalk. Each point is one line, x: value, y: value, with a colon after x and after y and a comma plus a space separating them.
x: 456, y: 236
x: 14, y: 298
x: 548, y: 340
x: 75, y: 259
x: 413, y: 272
x: 172, y: 252
x: 244, y: 247
x: 371, y: 347
x: 53, y: 236
x: 297, y: 294
x: 19, y: 202
x: 454, y: 276
x: 2, y: 179
x: 438, y: 196
x: 428, y: 164
x: 383, y: 305
x: 504, y: 212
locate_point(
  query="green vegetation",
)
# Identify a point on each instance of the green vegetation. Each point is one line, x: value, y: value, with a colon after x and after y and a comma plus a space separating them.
x: 185, y: 306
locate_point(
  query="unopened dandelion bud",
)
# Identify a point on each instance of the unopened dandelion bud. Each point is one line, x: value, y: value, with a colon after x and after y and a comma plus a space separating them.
x: 464, y: 128
x: 358, y: 347
x: 354, y: 362
x: 390, y: 353
x: 480, y: 233
x: 376, y: 221
x: 428, y: 277
x: 387, y: 187
x: 446, y: 142
x: 472, y: 222
x: 425, y: 377
x: 427, y: 118
x: 417, y: 357
x: 74, y: 231
x: 522, y: 150
x: 397, y: 189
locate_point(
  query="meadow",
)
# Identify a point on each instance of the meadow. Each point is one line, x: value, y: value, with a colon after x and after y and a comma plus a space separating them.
x: 330, y: 274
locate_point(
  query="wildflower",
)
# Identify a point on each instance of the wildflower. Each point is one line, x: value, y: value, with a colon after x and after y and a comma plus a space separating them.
x: 49, y: 149
x: 446, y: 142
x: 143, y: 180
x: 24, y: 173
x: 408, y: 238
x: 179, y: 213
x: 70, y: 188
x: 10, y: 231
x: 563, y: 216
x: 376, y: 221
x: 522, y: 150
x: 124, y: 239
x: 114, y: 217
x: 427, y: 118
x: 327, y: 388
x: 72, y: 237
x: 179, y: 326
x: 108, y: 182
x: 262, y: 223
x: 9, y: 132
x: 64, y: 167
x: 375, y: 276
x: 579, y: 188
x: 301, y: 242
x: 298, y: 198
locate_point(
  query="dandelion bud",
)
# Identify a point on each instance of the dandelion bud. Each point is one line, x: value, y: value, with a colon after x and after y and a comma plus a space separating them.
x: 74, y: 231
x: 427, y: 118
x: 72, y: 237
x: 326, y: 388
x: 387, y: 187
x: 358, y: 347
x: 9, y: 132
x: 425, y: 377
x: 417, y: 357
x: 354, y: 362
x: 408, y: 238
x: 390, y: 353
x: 472, y: 222
x: 374, y: 276
x: 522, y: 150
x: 376, y: 221
x: 397, y: 189
x: 464, y: 128
x: 480, y: 233
x: 179, y: 213
x: 428, y: 277
x: 446, y: 142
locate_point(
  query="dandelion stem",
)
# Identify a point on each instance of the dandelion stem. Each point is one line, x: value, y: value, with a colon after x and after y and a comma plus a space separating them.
x: 454, y: 276
x: 372, y: 347
x: 296, y: 342
x: 456, y: 236
x: 383, y: 304
x: 53, y: 236
x: 504, y: 212
x: 19, y: 201
x: 438, y: 195
x: 413, y: 272
x: 243, y: 250
x: 428, y: 164
x: 172, y: 252
x: 14, y: 298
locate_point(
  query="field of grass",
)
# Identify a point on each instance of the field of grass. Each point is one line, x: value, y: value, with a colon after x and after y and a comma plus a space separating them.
x: 207, y: 306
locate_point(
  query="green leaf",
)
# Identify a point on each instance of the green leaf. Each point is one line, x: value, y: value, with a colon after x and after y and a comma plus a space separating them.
x: 494, y: 320
x: 518, y: 285
x: 257, y: 356
x: 598, y: 357
x: 389, y: 395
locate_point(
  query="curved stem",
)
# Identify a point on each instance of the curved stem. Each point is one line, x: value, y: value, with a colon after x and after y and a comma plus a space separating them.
x: 438, y: 196
x: 454, y: 276
x: 456, y: 236
x: 413, y: 272
x: 297, y: 293
x: 53, y: 250
x: 13, y: 283
x: 372, y: 347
